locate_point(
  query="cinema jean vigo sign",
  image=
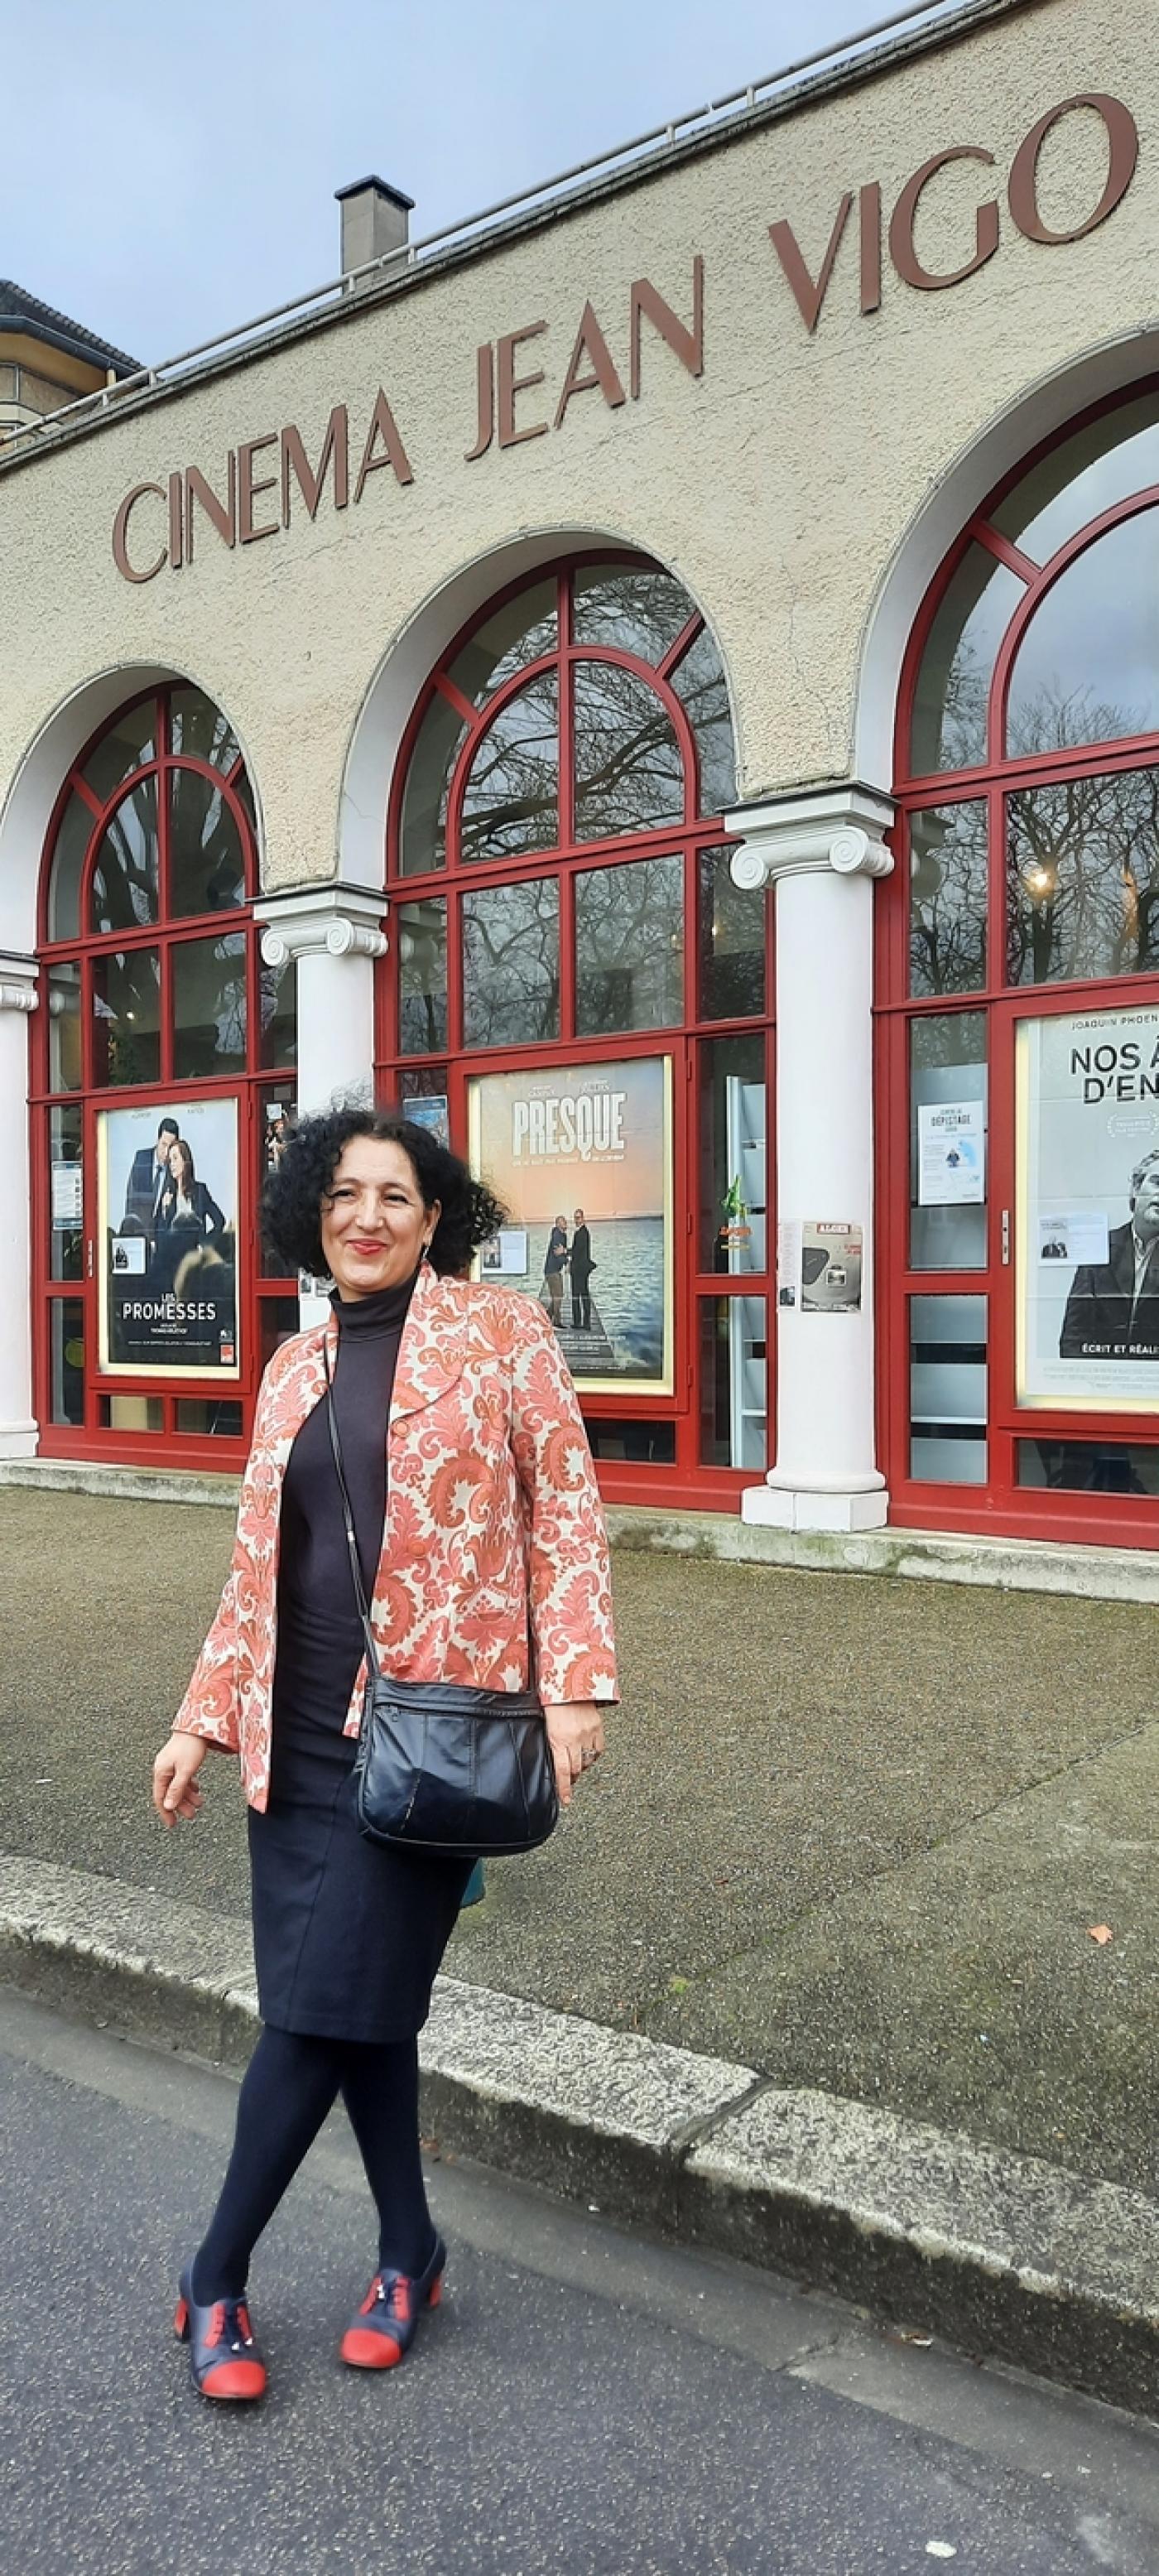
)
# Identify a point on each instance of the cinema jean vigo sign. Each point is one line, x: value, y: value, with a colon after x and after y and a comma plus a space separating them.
x: 262, y: 482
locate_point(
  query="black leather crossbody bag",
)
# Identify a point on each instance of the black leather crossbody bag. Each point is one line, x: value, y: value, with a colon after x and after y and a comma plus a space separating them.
x: 442, y: 1767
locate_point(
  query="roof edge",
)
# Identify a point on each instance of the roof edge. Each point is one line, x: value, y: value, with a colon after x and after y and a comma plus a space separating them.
x: 457, y: 244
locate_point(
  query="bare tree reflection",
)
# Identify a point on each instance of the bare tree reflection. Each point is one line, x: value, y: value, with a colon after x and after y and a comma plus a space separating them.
x: 126, y: 1000
x: 1082, y: 856
x: 948, y: 874
x: 732, y: 941
x: 630, y: 609
x: 965, y: 709
x: 1082, y: 865
x: 941, y: 1038
x: 951, y: 704
x: 124, y: 884
x: 643, y: 613
x: 200, y: 730
x: 206, y: 861
x: 209, y: 1005
x: 423, y: 837
x: 699, y: 681
x: 517, y: 634
x: 511, y: 963
x: 126, y: 746
x: 422, y: 943
x: 630, y: 946
x: 512, y: 801
x: 629, y: 774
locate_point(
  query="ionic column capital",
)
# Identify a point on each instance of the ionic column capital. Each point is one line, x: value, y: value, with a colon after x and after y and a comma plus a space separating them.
x: 329, y: 921
x: 18, y: 983
x: 813, y: 832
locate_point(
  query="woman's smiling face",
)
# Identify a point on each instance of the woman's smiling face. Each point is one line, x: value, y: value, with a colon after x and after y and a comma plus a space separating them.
x: 374, y: 1224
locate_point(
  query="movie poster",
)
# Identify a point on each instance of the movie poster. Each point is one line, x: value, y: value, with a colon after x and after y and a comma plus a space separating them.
x: 1088, y: 1202
x: 581, y: 1157
x: 167, y: 1178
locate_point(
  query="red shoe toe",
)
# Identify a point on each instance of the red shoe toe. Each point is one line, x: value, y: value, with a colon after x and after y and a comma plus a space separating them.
x: 366, y: 2351
x: 234, y: 2379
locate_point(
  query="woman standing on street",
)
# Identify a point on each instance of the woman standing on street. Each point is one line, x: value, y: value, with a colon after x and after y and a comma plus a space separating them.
x: 479, y: 1531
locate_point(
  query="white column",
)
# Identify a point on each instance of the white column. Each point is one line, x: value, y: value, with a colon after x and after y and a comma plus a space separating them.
x: 822, y: 851
x: 334, y: 934
x: 18, y: 1430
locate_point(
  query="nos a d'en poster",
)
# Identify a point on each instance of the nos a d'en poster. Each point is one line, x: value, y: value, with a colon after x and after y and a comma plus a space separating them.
x: 167, y: 1238
x: 1088, y: 1235
x: 581, y: 1158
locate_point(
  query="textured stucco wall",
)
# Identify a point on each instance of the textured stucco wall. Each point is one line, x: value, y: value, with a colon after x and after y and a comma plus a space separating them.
x: 779, y: 487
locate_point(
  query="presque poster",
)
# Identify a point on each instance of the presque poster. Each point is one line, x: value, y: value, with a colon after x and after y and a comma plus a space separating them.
x: 581, y: 1157
x: 1088, y: 1210
x: 167, y: 1178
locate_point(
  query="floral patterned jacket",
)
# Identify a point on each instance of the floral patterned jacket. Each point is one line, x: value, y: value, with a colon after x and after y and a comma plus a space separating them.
x: 493, y: 1522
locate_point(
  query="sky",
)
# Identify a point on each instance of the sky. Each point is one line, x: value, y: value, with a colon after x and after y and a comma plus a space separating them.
x: 170, y: 173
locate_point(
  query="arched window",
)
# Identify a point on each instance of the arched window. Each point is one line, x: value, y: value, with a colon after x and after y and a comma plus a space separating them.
x: 1020, y: 1000
x: 154, y: 989
x: 583, y: 708
x: 561, y: 909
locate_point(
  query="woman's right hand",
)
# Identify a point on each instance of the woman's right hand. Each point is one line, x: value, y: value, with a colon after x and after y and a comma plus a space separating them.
x: 175, y: 1790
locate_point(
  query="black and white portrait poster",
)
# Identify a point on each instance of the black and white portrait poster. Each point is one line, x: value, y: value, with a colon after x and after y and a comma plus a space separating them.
x: 1088, y: 1203
x: 167, y: 1239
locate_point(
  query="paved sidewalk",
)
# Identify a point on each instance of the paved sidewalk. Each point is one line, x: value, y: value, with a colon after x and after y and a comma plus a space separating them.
x: 850, y: 1834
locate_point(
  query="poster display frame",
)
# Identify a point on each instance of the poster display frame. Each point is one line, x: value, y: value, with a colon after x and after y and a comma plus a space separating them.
x: 182, y: 1374
x: 1093, y: 1402
x: 634, y: 1388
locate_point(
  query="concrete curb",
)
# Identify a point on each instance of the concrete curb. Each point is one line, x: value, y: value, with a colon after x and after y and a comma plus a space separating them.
x: 122, y: 1484
x: 1006, y: 2256
x: 931, y: 1556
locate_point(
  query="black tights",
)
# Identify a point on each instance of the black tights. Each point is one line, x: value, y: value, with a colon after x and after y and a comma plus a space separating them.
x: 290, y: 2084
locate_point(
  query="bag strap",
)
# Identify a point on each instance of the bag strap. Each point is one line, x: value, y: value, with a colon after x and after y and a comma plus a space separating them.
x: 372, y: 1662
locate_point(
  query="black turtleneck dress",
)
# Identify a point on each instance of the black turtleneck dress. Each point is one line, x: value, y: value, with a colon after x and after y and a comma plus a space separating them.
x: 348, y: 1934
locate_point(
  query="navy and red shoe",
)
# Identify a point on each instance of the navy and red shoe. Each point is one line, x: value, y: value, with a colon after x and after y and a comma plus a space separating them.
x: 384, y: 2328
x: 224, y: 2360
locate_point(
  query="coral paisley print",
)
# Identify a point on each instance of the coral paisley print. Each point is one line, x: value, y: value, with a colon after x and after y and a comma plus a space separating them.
x: 493, y: 1520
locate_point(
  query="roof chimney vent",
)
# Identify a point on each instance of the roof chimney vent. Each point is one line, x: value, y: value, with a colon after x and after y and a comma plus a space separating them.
x: 374, y: 223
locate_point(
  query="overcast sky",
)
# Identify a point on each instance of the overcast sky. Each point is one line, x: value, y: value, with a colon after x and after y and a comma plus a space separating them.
x: 170, y: 172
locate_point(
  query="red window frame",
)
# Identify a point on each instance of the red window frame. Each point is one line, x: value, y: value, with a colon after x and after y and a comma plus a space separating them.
x: 1001, y: 1505
x: 256, y: 1295
x: 684, y: 1482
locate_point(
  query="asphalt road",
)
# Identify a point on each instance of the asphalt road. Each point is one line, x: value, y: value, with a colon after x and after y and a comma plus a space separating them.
x: 584, y: 2402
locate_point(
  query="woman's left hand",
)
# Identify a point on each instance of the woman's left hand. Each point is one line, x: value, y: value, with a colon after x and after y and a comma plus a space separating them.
x: 575, y: 1732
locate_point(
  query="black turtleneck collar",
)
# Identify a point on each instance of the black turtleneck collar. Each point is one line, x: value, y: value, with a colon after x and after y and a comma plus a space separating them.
x: 363, y: 1318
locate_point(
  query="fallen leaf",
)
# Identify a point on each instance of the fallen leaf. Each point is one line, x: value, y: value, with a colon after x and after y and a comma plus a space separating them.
x: 1102, y: 1933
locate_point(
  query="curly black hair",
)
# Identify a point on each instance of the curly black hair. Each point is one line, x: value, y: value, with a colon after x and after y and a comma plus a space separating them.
x: 291, y: 1213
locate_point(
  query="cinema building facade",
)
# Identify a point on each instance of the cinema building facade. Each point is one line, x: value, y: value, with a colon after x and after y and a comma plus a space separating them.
x: 664, y: 682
